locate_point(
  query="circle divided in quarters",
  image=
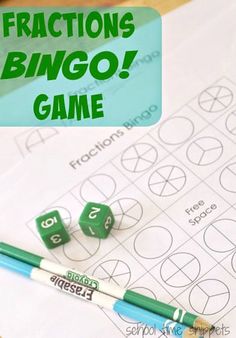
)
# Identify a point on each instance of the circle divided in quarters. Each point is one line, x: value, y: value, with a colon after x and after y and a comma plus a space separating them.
x: 180, y: 269
x: 39, y: 136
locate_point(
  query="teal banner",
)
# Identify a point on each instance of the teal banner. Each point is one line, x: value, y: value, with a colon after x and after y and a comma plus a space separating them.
x: 80, y: 66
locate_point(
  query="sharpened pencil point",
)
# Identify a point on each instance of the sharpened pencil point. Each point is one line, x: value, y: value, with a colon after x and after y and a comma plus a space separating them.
x: 202, y: 324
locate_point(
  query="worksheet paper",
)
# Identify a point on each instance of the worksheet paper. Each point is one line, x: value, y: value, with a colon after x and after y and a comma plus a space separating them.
x: 19, y: 143
x: 171, y: 187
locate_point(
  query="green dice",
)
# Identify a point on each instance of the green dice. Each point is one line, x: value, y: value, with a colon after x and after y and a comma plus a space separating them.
x: 96, y: 220
x: 51, y: 229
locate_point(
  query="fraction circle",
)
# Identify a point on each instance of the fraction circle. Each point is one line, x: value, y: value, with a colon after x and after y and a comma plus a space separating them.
x: 224, y: 234
x: 180, y: 269
x: 114, y: 271
x: 98, y: 188
x: 81, y: 247
x: 210, y: 296
x: 230, y: 123
x: 167, y: 181
x: 228, y: 178
x: 39, y: 136
x: 127, y: 212
x: 215, y: 99
x: 153, y: 242
x: 139, y: 157
x: 176, y: 130
x: 204, y: 151
x: 233, y: 262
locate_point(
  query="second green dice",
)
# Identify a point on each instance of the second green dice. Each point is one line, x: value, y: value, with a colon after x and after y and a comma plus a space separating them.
x: 96, y: 220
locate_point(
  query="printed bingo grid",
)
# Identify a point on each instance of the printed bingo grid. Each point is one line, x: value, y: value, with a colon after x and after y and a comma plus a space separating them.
x: 173, y: 195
